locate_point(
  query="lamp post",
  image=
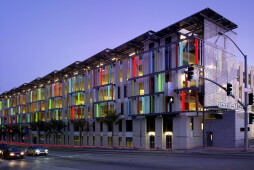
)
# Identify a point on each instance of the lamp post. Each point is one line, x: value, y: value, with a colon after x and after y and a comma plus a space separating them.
x: 245, y: 94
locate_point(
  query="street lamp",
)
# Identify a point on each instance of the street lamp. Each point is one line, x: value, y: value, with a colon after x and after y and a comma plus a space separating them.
x: 245, y: 94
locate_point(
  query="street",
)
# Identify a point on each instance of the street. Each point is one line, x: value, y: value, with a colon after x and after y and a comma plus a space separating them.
x: 106, y: 159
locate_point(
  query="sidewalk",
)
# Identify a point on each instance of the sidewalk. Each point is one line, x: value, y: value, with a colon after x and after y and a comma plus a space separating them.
x: 217, y: 151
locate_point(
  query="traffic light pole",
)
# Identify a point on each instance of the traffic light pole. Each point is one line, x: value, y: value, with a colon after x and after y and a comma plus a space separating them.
x: 245, y: 93
x: 246, y: 105
x: 238, y: 101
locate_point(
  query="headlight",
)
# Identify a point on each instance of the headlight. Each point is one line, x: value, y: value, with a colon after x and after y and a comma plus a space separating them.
x: 12, y: 154
x: 46, y: 151
x: 37, y: 151
x: 22, y: 153
x: 0, y: 152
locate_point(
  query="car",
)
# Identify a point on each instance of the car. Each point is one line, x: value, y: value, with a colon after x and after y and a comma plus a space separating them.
x: 3, y: 147
x: 9, y: 153
x: 36, y: 150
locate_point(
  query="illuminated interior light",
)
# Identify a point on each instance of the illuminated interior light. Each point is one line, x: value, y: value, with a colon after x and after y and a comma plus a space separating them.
x: 48, y: 81
x: 75, y: 73
x: 182, y: 37
x: 101, y: 64
x: 151, y: 133
x: 142, y: 92
x: 184, y: 31
x: 98, y: 66
x: 113, y: 59
x: 35, y: 86
x: 131, y: 54
x: 169, y: 133
x: 182, y: 77
x: 66, y: 75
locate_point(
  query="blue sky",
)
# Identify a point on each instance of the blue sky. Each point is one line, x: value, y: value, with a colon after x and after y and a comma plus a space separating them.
x: 39, y: 36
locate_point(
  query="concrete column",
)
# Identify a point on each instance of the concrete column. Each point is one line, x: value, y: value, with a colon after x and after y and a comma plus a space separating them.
x: 71, y: 139
x: 144, y: 135
x: 136, y: 133
x: 90, y: 134
x: 85, y: 139
x: 158, y: 132
x: 105, y: 135
x: 197, y: 132
x: 66, y: 139
x: 124, y: 132
x: 180, y: 135
x: 62, y: 139
x: 37, y: 137
x: 97, y: 133
x: 115, y: 135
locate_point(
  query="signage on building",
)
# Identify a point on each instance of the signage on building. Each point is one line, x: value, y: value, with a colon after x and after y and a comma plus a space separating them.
x: 229, y: 105
x: 247, y: 90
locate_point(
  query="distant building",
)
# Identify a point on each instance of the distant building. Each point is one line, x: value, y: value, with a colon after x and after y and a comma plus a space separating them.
x: 144, y: 80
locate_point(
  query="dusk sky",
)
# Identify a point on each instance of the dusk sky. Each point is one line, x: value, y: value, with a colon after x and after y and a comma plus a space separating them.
x: 39, y: 36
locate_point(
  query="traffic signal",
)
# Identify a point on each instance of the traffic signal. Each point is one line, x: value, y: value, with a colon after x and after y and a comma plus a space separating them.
x: 251, y: 118
x: 229, y: 89
x: 242, y: 129
x: 190, y: 73
x: 250, y: 98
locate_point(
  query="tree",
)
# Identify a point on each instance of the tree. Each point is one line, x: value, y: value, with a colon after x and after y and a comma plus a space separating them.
x: 40, y: 127
x: 47, y: 129
x: 33, y: 126
x: 8, y: 130
x: 15, y: 130
x: 55, y: 127
x: 111, y: 118
x: 3, y: 132
x: 22, y: 132
x: 80, y: 123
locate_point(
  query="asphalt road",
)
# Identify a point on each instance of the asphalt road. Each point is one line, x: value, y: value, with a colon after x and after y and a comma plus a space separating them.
x: 95, y: 159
